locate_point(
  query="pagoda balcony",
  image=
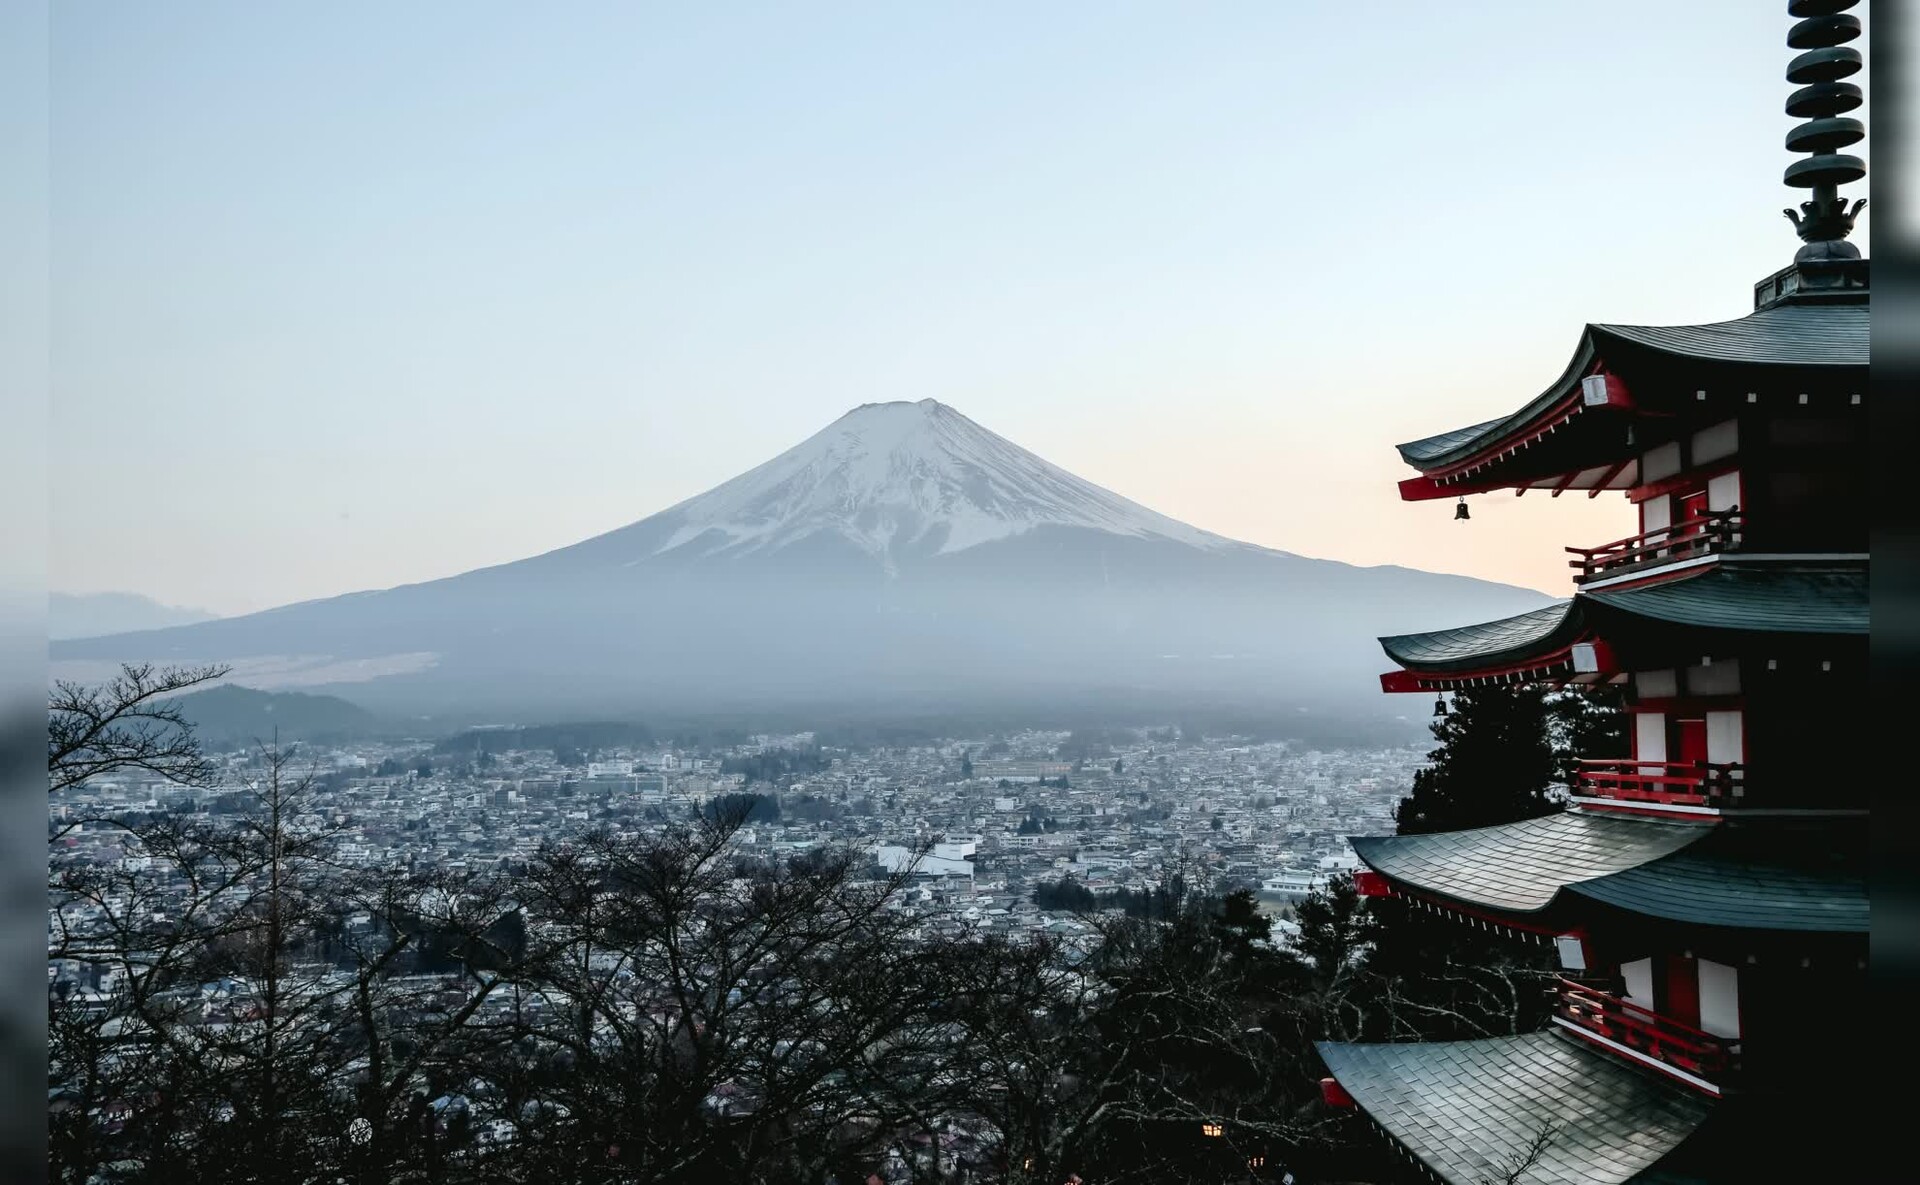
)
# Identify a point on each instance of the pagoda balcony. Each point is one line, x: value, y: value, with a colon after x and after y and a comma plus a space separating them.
x: 1661, y: 783
x: 1641, y: 1034
x: 1710, y: 534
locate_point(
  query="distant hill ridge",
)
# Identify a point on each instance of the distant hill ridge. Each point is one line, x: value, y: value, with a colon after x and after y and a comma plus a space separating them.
x: 230, y: 716
x: 91, y: 615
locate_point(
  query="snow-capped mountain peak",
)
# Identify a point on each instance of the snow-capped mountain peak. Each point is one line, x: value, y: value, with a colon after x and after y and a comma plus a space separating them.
x: 890, y: 475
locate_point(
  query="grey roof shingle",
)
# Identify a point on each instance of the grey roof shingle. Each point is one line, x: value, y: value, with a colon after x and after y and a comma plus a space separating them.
x: 1818, y: 335
x: 1772, y: 598
x: 1416, y: 451
x: 1484, y: 644
x: 1469, y: 1109
x: 1756, y: 876
x: 1520, y: 867
x: 1785, y: 335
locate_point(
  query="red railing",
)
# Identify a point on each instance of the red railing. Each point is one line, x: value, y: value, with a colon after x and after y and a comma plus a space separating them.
x: 1661, y: 1038
x: 1667, y: 783
x: 1714, y: 532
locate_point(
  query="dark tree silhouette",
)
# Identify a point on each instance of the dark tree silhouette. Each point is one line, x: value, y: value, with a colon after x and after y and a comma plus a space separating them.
x: 1494, y: 764
x: 1588, y: 723
x: 130, y: 722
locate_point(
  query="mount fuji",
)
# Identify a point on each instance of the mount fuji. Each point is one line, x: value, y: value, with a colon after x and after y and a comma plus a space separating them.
x: 902, y: 559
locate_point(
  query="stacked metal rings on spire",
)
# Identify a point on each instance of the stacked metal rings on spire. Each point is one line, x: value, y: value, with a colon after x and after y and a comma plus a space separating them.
x: 1822, y: 34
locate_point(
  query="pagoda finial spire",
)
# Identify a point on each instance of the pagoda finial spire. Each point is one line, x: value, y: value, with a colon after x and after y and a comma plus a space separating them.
x: 1821, y: 34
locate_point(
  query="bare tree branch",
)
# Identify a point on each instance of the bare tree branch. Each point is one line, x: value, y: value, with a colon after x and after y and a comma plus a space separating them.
x: 130, y: 722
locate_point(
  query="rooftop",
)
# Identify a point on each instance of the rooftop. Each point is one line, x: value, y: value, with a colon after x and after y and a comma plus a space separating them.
x: 1468, y: 1110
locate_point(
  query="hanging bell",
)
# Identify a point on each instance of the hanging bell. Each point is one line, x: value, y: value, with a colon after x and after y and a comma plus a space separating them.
x: 1439, y: 705
x: 1460, y: 512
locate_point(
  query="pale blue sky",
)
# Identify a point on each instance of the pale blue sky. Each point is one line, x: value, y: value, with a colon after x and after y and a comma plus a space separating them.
x: 348, y: 295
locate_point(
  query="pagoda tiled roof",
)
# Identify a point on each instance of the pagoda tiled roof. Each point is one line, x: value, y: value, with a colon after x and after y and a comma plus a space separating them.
x: 1757, y: 597
x: 1787, y: 335
x: 1469, y: 1110
x: 1521, y: 867
x: 1487, y: 644
x: 1766, y: 875
x: 1803, y: 876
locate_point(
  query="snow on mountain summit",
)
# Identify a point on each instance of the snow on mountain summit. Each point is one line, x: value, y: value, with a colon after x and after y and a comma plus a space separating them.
x: 891, y: 474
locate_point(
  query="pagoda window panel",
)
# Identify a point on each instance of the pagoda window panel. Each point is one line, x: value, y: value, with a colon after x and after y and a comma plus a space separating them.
x: 1650, y: 737
x: 1572, y: 951
x: 1660, y: 463
x: 1716, y: 442
x: 1723, y: 491
x: 1720, y: 678
x: 1656, y: 684
x: 1719, y: 998
x: 1656, y: 513
x: 1726, y: 739
x: 1638, y: 976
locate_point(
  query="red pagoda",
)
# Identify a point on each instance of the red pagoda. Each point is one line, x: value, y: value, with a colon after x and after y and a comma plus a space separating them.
x: 1706, y: 896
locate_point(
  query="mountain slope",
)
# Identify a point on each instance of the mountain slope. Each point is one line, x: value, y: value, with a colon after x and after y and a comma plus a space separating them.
x: 918, y: 476
x: 904, y: 555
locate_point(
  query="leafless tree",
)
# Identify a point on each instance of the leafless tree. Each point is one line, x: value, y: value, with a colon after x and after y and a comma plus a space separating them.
x: 131, y: 721
x: 1167, y: 1051
x: 691, y: 1013
x: 661, y: 1006
x: 246, y: 1009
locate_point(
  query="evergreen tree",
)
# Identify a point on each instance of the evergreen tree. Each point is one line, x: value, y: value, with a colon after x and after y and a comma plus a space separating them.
x: 1335, y: 928
x: 1589, y: 723
x: 1494, y: 764
x: 1501, y: 750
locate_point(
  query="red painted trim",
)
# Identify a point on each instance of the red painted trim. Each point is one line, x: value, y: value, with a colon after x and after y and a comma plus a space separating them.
x: 1617, y: 394
x: 1398, y: 889
x: 1368, y: 883
x: 1426, y: 489
x: 1666, y: 1042
x: 1687, y: 481
x: 1442, y: 482
x: 1682, y: 1002
x: 1713, y: 533
x: 1568, y: 407
x: 1552, y: 668
x: 1600, y: 487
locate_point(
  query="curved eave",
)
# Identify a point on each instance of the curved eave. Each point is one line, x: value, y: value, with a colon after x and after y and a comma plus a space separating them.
x: 1750, y: 598
x: 1518, y: 869
x: 1762, y: 877
x: 1500, y: 453
x: 1468, y: 1111
x: 1537, y: 646
x: 1794, y: 335
x: 1523, y: 639
x: 1450, y: 450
